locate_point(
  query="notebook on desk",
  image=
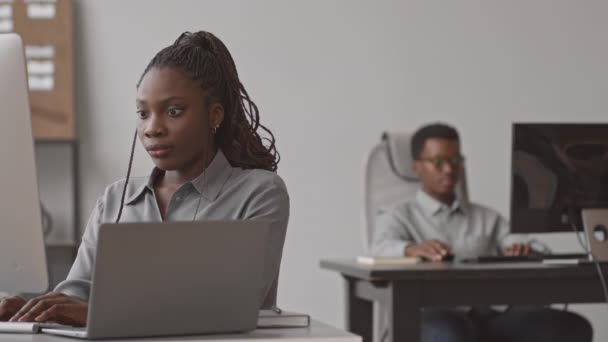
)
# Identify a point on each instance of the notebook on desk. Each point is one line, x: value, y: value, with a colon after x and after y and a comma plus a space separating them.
x: 369, y: 260
x: 173, y: 284
x: 277, y: 318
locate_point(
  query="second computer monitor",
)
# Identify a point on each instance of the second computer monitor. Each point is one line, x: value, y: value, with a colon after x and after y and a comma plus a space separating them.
x: 557, y: 170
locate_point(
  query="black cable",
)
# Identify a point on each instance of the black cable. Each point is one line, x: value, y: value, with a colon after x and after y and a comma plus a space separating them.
x: 598, y: 267
x: 571, y: 217
x: 124, y: 189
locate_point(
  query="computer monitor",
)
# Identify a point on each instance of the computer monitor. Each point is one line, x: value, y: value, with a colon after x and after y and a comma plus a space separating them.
x: 22, y: 255
x: 557, y: 170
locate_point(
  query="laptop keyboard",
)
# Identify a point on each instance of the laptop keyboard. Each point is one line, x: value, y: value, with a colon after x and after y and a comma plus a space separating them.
x: 27, y: 327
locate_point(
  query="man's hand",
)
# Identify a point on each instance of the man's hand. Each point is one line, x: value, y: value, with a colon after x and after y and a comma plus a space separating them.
x: 433, y: 250
x: 518, y: 249
x: 54, y: 307
x: 9, y: 307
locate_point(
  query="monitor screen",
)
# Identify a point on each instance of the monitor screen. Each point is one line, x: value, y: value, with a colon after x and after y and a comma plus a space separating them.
x: 556, y: 170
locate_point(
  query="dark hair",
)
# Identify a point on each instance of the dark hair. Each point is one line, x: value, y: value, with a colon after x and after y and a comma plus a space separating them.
x: 436, y: 130
x: 204, y: 58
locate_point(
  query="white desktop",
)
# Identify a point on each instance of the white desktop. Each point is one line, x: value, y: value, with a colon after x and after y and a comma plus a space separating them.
x: 22, y: 255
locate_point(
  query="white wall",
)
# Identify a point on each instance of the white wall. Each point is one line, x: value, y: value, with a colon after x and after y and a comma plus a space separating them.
x: 330, y: 76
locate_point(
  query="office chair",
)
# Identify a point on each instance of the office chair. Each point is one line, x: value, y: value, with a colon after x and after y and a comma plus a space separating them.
x: 389, y: 178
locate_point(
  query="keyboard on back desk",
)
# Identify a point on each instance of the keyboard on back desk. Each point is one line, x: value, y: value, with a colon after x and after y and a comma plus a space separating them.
x: 488, y: 259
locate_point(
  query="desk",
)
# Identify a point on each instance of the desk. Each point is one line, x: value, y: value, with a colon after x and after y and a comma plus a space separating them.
x: 316, y: 332
x: 404, y: 290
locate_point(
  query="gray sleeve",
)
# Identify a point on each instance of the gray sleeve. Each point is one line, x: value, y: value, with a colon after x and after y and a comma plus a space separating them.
x: 502, y: 231
x: 78, y: 281
x: 390, y: 236
x: 504, y: 237
x: 271, y: 203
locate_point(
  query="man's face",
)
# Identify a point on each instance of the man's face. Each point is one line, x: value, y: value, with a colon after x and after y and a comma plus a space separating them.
x: 439, y: 168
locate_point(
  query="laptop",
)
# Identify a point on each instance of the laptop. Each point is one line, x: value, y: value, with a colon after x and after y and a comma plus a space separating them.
x: 595, y: 222
x: 175, y: 278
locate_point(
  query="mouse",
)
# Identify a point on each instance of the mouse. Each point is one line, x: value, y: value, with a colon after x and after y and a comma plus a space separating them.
x: 446, y: 258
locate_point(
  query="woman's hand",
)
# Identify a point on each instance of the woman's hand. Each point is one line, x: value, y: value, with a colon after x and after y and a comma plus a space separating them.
x: 54, y: 307
x: 9, y: 306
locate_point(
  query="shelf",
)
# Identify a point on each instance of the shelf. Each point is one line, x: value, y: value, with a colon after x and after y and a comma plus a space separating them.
x: 55, y: 141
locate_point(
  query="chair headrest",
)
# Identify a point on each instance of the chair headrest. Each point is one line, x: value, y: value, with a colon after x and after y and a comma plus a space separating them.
x: 400, y: 154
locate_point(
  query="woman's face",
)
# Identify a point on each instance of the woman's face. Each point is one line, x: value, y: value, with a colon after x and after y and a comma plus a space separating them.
x: 172, y: 122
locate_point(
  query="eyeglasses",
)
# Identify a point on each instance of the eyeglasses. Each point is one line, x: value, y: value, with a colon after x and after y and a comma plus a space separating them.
x: 439, y: 162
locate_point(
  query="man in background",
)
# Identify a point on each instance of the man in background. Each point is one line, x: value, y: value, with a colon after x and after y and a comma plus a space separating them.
x: 436, y: 225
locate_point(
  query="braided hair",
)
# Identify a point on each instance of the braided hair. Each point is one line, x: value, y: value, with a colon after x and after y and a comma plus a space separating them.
x: 203, y: 58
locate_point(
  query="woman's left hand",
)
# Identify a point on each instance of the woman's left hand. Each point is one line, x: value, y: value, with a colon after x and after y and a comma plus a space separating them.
x: 54, y: 307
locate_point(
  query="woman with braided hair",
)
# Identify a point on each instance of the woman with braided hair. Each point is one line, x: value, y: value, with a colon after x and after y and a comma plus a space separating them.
x: 203, y: 133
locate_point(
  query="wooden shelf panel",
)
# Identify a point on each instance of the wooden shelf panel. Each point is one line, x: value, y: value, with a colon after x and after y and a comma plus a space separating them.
x: 52, y: 110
